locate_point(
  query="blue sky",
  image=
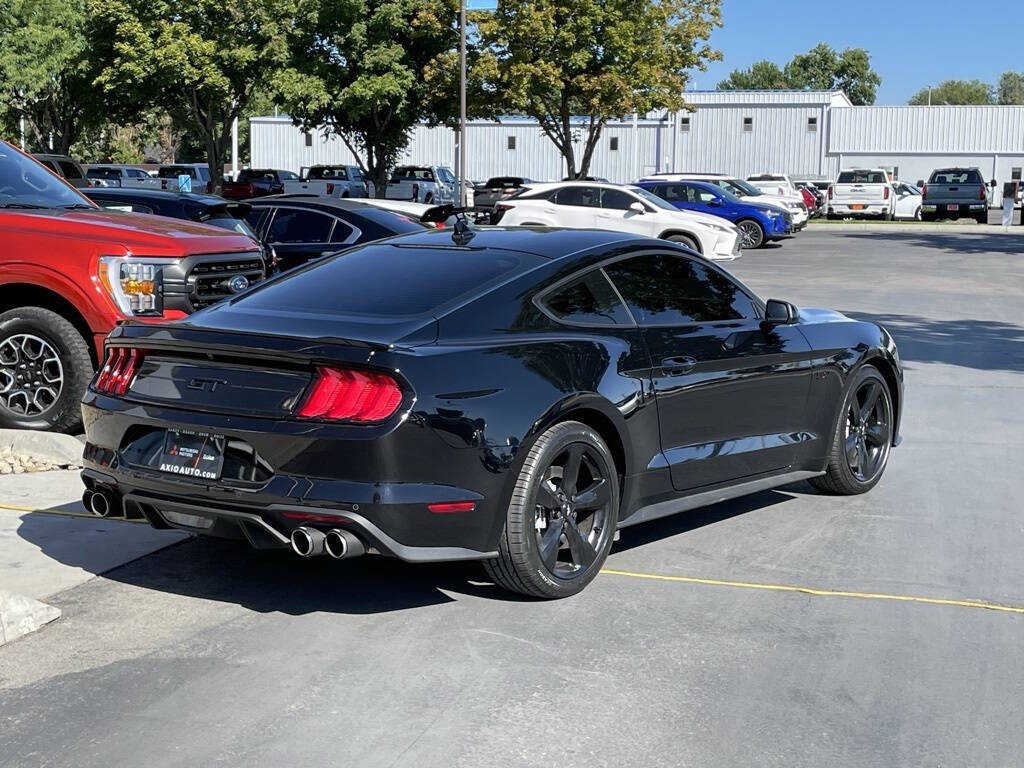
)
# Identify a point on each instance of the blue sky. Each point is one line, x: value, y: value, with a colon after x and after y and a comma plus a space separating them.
x: 912, y: 43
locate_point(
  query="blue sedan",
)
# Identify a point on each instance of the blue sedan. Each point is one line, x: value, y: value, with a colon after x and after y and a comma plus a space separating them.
x: 759, y: 224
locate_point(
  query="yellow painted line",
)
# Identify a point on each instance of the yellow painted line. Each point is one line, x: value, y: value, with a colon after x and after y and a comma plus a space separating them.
x: 16, y: 508
x: 819, y: 592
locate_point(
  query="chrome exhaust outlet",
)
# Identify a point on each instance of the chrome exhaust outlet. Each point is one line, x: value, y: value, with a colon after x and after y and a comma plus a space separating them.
x: 341, y: 544
x: 307, y: 542
x: 100, y: 504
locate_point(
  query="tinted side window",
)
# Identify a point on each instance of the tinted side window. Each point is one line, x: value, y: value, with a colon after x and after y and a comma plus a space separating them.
x: 674, y: 290
x: 70, y: 170
x: 342, y: 232
x: 616, y: 199
x: 589, y: 299
x: 586, y: 197
x: 675, y: 193
x: 295, y: 226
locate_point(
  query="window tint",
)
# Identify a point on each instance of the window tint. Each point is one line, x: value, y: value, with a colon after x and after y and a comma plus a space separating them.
x: 137, y: 173
x: 69, y: 170
x: 356, y: 281
x: 586, y: 197
x: 956, y: 176
x: 287, y: 176
x: 616, y: 199
x: 120, y: 205
x: 674, y: 290
x: 861, y: 177
x: 446, y: 176
x: 291, y: 225
x: 341, y: 233
x: 589, y: 299
x: 672, y: 192
x: 111, y: 174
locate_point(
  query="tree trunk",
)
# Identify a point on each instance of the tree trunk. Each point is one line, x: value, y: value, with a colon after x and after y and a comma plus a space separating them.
x: 380, y: 170
x: 593, y: 136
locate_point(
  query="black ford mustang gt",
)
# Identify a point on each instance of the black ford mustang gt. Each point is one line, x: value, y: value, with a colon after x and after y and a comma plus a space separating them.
x: 515, y: 398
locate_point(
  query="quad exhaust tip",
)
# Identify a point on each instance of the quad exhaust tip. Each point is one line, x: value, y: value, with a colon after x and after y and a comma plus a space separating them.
x: 307, y: 542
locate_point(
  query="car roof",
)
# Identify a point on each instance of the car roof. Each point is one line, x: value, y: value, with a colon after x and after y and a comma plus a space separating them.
x: 545, y: 242
x: 312, y: 201
x: 147, y: 193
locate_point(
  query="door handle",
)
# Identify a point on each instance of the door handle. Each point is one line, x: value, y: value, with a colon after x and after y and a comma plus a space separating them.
x: 674, y: 366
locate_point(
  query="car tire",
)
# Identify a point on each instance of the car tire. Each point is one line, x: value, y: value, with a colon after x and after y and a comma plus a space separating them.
x: 982, y: 218
x: 684, y: 240
x: 887, y: 216
x: 917, y: 214
x: 39, y: 342
x: 830, y: 216
x: 428, y: 199
x: 753, y: 233
x: 866, y: 443
x: 547, y: 548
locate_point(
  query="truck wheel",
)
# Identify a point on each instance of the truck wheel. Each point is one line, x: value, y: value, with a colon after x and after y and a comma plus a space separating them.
x: 45, y: 367
x: 428, y: 199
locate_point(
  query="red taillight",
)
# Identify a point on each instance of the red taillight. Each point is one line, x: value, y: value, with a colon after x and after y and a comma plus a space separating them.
x: 444, y: 507
x: 330, y: 189
x: 924, y: 191
x: 415, y: 191
x: 830, y: 193
x: 118, y: 370
x: 339, y: 394
x: 885, y: 192
x: 981, y: 193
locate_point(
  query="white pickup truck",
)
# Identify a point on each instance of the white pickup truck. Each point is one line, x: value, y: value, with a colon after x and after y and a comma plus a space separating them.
x: 428, y: 184
x: 329, y: 181
x: 862, y: 192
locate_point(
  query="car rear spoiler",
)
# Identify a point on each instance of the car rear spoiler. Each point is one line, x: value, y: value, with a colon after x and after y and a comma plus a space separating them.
x: 441, y: 213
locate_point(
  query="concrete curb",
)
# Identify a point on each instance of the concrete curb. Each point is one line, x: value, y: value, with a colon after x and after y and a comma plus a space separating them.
x: 896, y: 228
x: 46, y: 447
x: 20, y: 615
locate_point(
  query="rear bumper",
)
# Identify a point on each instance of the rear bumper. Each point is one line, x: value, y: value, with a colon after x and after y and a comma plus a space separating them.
x: 377, y: 487
x: 865, y: 209
x: 962, y: 209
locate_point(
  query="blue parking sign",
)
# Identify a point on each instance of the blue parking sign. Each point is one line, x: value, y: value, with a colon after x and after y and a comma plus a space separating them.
x: 184, y: 182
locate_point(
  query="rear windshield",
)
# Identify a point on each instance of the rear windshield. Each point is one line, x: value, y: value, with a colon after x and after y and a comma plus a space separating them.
x: 410, y: 172
x: 861, y: 177
x: 103, y: 173
x: 320, y: 172
x: 256, y: 173
x: 174, y: 171
x: 385, y: 280
x: 506, y: 182
x: 956, y: 176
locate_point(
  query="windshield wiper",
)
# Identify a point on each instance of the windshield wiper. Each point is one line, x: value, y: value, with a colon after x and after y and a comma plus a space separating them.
x: 23, y: 205
x: 75, y: 206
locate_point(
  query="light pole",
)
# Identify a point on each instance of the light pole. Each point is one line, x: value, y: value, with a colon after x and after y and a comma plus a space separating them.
x: 462, y: 103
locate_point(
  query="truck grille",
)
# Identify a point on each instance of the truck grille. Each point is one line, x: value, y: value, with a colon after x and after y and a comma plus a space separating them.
x: 209, y: 282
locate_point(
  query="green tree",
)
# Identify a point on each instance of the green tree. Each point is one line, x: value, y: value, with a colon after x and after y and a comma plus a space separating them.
x: 825, y: 69
x: 46, y: 70
x: 361, y: 70
x: 1011, y: 88
x: 955, y: 92
x: 596, y: 59
x: 821, y: 69
x: 202, y: 61
x: 762, y: 76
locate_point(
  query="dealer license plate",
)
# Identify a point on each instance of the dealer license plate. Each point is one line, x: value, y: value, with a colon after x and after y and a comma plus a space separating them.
x: 192, y: 454
x: 953, y: 207
x: 856, y: 207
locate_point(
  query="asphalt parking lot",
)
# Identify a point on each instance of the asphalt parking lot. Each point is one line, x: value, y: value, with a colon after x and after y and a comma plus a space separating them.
x: 718, y: 640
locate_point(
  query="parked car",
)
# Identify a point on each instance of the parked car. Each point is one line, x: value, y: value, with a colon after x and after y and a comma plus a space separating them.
x: 774, y: 184
x: 329, y: 181
x: 748, y: 193
x: 819, y: 195
x: 517, y: 402
x: 861, y: 192
x: 257, y: 182
x: 70, y: 271
x: 908, y: 201
x: 120, y: 176
x: 205, y: 209
x: 954, y: 193
x: 65, y: 167
x: 810, y: 200
x: 592, y: 205
x: 758, y: 224
x: 301, y: 228
x: 429, y: 184
x: 497, y: 188
x: 198, y: 173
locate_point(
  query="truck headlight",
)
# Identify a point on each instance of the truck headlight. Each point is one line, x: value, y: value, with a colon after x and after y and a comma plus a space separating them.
x: 133, y: 284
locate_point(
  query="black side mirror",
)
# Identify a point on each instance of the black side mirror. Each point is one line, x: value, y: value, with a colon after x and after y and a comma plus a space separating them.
x: 778, y: 312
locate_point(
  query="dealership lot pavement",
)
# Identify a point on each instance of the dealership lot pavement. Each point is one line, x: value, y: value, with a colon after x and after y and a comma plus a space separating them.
x: 205, y: 653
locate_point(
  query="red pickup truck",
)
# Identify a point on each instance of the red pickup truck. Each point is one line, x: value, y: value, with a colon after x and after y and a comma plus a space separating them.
x: 70, y: 271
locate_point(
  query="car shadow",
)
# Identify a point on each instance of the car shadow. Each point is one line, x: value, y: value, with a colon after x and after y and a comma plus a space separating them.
x: 985, y: 345
x: 278, y: 581
x: 951, y: 242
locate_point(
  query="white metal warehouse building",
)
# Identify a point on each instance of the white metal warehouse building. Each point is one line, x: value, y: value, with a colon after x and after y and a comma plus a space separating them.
x: 803, y: 133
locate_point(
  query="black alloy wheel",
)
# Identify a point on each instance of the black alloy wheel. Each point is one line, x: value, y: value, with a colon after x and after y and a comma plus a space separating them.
x: 863, y: 438
x: 752, y: 232
x: 561, y: 520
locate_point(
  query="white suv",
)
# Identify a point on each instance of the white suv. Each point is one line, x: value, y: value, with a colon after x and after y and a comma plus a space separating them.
x: 595, y: 205
x: 748, y: 193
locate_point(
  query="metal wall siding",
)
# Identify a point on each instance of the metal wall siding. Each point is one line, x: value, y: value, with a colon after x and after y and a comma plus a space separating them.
x: 939, y: 129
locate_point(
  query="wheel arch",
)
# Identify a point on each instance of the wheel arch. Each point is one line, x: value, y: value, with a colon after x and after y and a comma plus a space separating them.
x: 14, y: 295
x: 888, y: 370
x: 675, y: 231
x: 598, y: 414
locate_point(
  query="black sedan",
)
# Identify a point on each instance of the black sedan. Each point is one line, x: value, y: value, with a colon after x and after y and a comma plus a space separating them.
x: 302, y: 228
x: 208, y: 209
x: 513, y: 396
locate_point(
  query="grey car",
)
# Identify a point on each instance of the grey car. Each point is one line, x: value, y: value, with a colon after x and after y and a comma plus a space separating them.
x: 64, y: 166
x: 112, y: 175
x: 954, y: 193
x: 497, y: 188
